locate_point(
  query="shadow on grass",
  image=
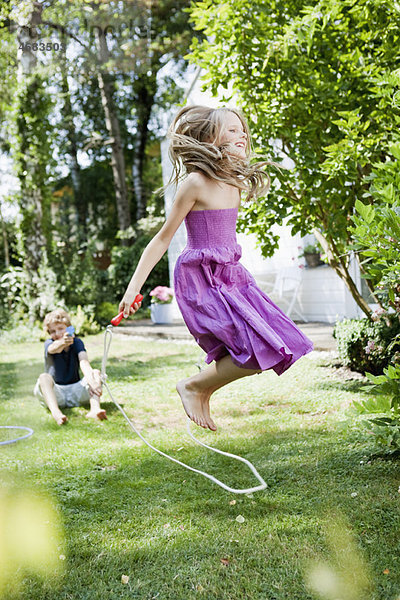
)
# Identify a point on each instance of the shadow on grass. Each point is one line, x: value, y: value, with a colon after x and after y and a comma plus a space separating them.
x: 131, y: 368
x: 19, y: 378
x: 129, y: 510
x: 346, y: 386
x: 8, y: 378
x: 108, y: 406
x: 289, y: 465
x: 388, y: 456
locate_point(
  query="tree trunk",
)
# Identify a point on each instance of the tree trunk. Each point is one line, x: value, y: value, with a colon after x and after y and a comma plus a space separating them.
x: 31, y: 205
x: 145, y: 100
x: 112, y: 124
x: 5, y: 241
x: 337, y: 263
x: 368, y: 282
x: 75, y: 170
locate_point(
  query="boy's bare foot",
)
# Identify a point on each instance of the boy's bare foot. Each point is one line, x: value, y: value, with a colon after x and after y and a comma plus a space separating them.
x: 59, y: 418
x: 192, y: 403
x: 97, y: 414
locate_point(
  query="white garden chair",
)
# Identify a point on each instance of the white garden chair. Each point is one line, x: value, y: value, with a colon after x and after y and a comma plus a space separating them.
x: 285, y: 290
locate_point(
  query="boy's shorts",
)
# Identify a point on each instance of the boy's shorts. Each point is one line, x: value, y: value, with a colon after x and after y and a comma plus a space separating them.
x: 68, y: 396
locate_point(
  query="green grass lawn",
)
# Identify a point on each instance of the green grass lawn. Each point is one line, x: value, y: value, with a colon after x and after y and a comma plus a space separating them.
x: 125, y: 510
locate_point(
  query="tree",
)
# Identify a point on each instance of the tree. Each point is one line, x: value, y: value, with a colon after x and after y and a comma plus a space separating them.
x: 113, y: 127
x: 168, y: 41
x: 92, y: 64
x: 72, y: 145
x: 31, y: 146
x: 75, y: 101
x: 307, y: 85
x: 29, y: 142
x: 134, y: 42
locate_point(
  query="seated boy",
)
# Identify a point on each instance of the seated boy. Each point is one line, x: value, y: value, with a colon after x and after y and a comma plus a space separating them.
x: 61, y: 386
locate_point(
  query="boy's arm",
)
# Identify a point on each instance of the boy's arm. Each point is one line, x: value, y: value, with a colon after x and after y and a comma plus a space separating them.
x: 183, y: 203
x: 91, y: 376
x: 59, y: 345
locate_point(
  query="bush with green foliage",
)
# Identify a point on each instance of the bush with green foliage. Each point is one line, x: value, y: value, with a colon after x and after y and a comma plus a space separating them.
x: 125, y: 259
x: 376, y: 230
x: 72, y: 286
x: 79, y: 281
x: 16, y: 286
x: 376, y: 233
x: 83, y: 319
x: 105, y: 312
x: 367, y: 346
x: 21, y: 330
x: 385, y: 424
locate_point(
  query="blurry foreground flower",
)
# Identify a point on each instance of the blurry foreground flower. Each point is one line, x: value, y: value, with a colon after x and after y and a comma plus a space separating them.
x: 30, y: 537
x: 345, y: 577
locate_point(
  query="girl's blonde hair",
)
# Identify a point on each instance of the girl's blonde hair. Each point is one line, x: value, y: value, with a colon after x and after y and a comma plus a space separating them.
x: 194, y: 146
x: 56, y: 316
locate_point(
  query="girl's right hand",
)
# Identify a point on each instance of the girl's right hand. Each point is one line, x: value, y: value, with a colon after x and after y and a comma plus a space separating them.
x: 126, y: 306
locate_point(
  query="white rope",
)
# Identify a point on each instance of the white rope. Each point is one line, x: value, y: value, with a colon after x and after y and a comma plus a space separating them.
x: 262, y: 486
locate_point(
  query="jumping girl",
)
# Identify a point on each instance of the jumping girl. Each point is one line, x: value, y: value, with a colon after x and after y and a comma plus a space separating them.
x: 233, y: 321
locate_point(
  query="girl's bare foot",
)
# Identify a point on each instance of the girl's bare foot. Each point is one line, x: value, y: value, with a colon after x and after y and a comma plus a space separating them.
x: 97, y: 414
x: 192, y: 403
x: 206, y: 412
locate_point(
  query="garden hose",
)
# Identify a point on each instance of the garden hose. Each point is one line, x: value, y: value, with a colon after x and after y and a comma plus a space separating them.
x: 23, y: 437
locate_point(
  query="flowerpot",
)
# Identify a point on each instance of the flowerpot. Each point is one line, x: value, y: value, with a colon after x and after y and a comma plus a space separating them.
x: 161, y: 313
x: 312, y: 260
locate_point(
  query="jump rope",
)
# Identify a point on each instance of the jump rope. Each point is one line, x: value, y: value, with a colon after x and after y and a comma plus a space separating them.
x: 107, y: 343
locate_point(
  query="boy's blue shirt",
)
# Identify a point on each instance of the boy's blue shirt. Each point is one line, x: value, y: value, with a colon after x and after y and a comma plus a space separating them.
x: 64, y: 366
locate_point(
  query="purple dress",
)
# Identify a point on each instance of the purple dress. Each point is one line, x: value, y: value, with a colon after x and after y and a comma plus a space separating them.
x: 221, y: 304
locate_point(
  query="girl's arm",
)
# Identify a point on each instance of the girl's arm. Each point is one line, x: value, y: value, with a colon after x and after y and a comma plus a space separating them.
x: 185, y: 199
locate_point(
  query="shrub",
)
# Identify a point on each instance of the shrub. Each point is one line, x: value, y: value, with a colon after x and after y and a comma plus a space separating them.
x: 79, y: 280
x: 124, y: 261
x: 376, y: 235
x: 376, y: 230
x: 29, y: 294
x: 385, y: 424
x: 83, y: 319
x: 23, y: 331
x: 365, y: 345
x: 105, y: 312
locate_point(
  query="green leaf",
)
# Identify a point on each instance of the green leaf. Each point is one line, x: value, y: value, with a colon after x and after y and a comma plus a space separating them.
x: 395, y: 150
x: 365, y: 210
